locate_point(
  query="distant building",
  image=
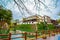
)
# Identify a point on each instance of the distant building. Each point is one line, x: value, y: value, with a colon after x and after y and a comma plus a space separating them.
x: 47, y: 19
x: 54, y: 22
x: 36, y: 19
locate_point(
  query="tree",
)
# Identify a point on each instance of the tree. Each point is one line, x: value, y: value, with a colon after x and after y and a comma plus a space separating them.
x: 59, y: 13
x: 58, y: 20
x: 5, y: 15
x: 41, y: 26
x: 8, y: 16
x: 51, y: 26
x: 25, y: 27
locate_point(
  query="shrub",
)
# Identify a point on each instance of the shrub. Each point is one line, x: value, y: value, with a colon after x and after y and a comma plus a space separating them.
x: 50, y: 26
x: 25, y: 27
x: 41, y: 26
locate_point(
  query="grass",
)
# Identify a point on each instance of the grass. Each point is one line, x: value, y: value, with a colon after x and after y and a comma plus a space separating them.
x: 28, y: 27
x: 23, y: 27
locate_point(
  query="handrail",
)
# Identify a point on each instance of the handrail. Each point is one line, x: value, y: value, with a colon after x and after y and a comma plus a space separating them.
x: 8, y: 36
x: 27, y: 33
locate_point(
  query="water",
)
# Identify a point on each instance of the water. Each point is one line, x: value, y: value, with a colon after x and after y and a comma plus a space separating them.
x: 18, y: 35
x: 59, y: 37
x: 56, y: 37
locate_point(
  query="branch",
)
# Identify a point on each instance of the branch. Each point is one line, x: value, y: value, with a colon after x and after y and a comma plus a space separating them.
x: 19, y: 7
x: 24, y: 7
x: 45, y: 5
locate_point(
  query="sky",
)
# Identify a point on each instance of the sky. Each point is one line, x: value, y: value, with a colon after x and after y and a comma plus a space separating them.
x: 10, y: 4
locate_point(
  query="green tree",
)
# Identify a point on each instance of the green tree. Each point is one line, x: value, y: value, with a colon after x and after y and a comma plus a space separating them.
x: 5, y: 15
x: 25, y: 27
x: 58, y: 20
x: 41, y: 26
x: 59, y: 13
x: 8, y: 16
x: 51, y: 26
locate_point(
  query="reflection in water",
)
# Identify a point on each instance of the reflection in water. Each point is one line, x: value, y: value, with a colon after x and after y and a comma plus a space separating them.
x: 59, y: 37
x: 18, y: 35
x: 56, y: 37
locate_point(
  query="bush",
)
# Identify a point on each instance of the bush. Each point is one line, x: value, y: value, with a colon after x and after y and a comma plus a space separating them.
x: 25, y: 27
x: 50, y: 26
x: 41, y: 26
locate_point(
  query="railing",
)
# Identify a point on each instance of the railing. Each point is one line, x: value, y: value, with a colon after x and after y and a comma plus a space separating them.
x: 8, y: 36
x: 25, y: 35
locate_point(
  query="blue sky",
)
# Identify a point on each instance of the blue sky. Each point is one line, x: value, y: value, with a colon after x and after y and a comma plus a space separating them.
x: 9, y: 4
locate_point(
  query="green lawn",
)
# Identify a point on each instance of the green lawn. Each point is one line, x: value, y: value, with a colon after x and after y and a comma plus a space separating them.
x: 24, y: 27
x: 28, y: 27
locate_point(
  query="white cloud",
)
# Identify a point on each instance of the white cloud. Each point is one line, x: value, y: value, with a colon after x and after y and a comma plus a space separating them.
x: 13, y: 7
x: 30, y: 6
